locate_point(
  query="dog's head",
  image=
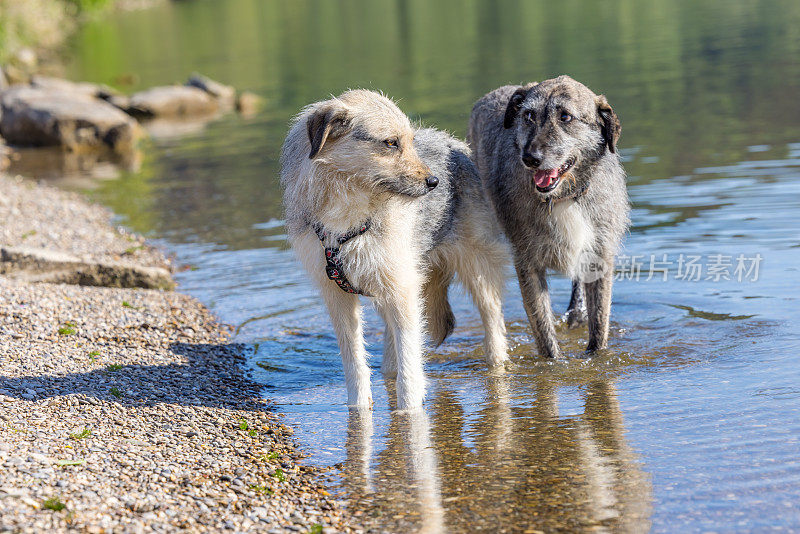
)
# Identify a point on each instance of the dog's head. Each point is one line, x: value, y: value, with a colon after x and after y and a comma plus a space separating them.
x: 365, y: 136
x: 561, y: 127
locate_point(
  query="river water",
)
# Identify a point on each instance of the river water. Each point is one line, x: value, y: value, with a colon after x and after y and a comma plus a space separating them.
x: 689, y: 422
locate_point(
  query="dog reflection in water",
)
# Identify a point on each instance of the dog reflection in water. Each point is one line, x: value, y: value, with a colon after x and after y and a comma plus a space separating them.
x: 418, y: 467
x: 505, y: 467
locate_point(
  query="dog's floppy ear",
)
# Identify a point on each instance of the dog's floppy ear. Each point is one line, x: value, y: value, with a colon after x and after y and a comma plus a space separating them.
x: 327, y: 122
x: 609, y: 123
x: 514, y: 105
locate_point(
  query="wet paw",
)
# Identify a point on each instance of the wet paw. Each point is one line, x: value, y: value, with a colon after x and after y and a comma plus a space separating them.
x: 575, y: 317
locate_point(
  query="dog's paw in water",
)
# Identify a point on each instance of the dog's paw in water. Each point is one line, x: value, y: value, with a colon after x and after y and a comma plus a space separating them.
x: 575, y: 317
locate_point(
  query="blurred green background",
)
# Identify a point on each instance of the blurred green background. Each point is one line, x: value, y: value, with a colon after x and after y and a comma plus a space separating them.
x: 694, y: 82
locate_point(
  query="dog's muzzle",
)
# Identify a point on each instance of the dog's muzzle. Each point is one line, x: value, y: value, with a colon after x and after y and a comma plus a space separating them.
x: 546, y: 180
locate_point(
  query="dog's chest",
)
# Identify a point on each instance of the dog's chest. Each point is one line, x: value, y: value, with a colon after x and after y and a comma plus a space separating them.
x: 571, y: 233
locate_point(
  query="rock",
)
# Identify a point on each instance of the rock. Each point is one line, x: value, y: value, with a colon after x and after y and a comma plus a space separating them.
x: 248, y: 103
x: 172, y: 101
x: 5, y: 155
x: 41, y: 116
x: 84, y: 88
x: 118, y: 101
x: 225, y: 94
x: 43, y: 265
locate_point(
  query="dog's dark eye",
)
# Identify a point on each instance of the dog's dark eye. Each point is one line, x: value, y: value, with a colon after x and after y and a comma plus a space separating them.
x: 565, y: 117
x: 391, y: 143
x: 529, y: 116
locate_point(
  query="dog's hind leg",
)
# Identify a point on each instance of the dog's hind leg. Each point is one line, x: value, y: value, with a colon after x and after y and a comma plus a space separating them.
x: 576, y: 311
x: 536, y: 299
x: 598, y: 303
x: 482, y: 274
x: 404, y: 316
x: 345, y: 312
x: 438, y: 312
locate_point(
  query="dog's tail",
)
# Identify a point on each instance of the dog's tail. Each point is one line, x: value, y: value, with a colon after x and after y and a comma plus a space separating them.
x: 439, y: 314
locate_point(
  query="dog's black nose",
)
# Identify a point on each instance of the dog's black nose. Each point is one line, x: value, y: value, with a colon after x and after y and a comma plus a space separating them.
x: 431, y: 182
x: 530, y: 160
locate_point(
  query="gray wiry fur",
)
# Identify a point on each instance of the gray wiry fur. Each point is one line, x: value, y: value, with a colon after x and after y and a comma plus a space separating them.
x: 339, y: 168
x: 515, y: 131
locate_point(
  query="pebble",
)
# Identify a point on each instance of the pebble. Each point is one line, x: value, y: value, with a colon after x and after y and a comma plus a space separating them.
x: 155, y: 444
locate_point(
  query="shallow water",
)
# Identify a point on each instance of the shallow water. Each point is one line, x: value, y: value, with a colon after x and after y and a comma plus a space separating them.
x: 690, y: 421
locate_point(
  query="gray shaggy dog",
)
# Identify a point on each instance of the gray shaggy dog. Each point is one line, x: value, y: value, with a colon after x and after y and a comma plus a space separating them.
x: 547, y: 155
x: 377, y: 207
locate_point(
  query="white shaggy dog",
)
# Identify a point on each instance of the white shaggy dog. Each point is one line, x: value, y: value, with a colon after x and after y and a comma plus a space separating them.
x: 375, y: 207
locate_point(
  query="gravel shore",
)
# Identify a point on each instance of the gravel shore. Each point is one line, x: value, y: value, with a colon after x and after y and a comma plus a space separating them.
x: 126, y: 410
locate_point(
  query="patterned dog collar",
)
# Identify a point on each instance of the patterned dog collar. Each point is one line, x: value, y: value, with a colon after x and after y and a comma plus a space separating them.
x: 334, y: 266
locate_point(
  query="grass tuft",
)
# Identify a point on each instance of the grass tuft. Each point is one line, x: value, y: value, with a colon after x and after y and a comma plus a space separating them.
x: 81, y: 435
x: 261, y: 489
x: 54, y: 504
x: 67, y: 329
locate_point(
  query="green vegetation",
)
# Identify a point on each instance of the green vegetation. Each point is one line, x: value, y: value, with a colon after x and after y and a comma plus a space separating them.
x: 81, y: 435
x: 116, y: 392
x: 83, y: 6
x: 30, y: 23
x: 315, y: 529
x: 65, y: 463
x: 245, y: 426
x: 261, y: 489
x: 42, y: 24
x: 54, y: 504
x: 280, y: 475
x: 114, y: 367
x: 67, y: 329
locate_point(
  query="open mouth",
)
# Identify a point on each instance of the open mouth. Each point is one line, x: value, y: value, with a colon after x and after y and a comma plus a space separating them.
x: 547, y: 179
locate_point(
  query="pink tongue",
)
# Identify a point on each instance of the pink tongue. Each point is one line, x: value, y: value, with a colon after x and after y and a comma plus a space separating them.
x: 545, y: 178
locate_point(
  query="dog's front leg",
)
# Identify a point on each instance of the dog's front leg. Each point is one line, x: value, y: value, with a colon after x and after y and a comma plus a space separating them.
x: 345, y: 312
x: 404, y: 318
x: 536, y: 299
x: 389, y: 360
x: 598, y: 304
